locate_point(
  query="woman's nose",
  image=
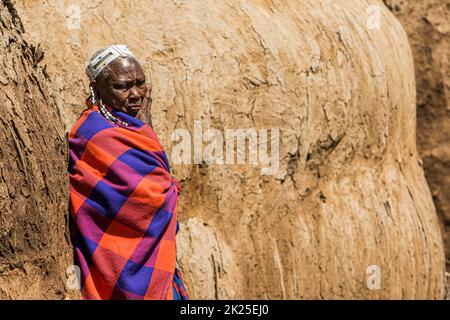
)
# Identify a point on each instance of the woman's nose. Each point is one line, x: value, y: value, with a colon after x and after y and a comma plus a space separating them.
x: 134, y: 94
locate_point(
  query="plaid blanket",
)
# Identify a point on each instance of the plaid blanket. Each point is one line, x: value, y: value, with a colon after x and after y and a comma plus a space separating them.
x: 123, y: 210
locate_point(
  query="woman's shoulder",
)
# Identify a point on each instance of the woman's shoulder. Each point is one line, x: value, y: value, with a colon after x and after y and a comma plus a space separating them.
x: 89, y: 122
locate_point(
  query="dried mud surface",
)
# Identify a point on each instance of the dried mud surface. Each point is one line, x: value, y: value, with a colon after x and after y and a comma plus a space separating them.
x: 428, y: 26
x: 34, y: 246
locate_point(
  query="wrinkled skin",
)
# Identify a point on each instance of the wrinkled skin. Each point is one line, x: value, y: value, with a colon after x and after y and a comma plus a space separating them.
x: 125, y: 88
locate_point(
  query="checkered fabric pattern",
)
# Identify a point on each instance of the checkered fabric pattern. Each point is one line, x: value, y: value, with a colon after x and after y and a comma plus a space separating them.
x: 178, y: 288
x: 123, y: 210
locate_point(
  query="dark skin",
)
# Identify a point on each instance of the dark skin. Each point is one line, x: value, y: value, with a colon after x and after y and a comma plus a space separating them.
x: 125, y: 88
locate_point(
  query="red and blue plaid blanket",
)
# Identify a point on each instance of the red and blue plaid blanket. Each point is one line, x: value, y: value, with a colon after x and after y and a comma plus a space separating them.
x: 123, y: 210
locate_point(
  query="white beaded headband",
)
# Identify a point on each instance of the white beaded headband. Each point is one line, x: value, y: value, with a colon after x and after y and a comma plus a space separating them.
x: 105, y: 57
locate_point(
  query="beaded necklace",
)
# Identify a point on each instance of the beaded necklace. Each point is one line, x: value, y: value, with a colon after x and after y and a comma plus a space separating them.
x: 108, y: 115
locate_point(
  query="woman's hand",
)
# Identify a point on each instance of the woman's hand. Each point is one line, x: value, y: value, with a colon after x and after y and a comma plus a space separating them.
x: 145, y: 114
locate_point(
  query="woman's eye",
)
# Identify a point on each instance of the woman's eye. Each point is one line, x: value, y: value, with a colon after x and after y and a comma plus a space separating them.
x: 120, y: 87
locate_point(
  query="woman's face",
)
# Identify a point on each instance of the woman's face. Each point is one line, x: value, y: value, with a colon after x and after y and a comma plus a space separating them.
x: 124, y: 88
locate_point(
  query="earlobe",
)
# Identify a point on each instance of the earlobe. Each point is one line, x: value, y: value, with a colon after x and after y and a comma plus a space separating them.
x: 94, y: 91
x: 94, y: 86
x: 93, y: 97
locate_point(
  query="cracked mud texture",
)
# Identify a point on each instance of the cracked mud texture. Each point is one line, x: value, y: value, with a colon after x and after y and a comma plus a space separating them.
x: 350, y: 191
x: 34, y: 246
x: 428, y: 26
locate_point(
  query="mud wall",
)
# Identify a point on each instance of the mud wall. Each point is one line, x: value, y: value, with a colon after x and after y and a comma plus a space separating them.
x: 34, y: 250
x: 350, y: 191
x: 428, y: 28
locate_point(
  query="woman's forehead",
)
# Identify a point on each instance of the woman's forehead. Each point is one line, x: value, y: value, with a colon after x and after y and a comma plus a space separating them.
x: 125, y: 68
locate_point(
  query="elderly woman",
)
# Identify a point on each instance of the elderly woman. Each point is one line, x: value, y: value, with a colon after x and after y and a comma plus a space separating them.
x: 123, y: 199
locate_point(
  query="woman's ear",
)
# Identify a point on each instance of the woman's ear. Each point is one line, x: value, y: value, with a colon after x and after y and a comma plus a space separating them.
x: 94, y: 93
x: 93, y: 85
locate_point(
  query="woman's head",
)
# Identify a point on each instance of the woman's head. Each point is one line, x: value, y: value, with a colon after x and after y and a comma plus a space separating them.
x: 117, y: 78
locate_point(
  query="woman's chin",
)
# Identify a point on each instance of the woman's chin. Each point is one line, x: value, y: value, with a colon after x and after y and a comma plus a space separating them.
x: 132, y: 112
